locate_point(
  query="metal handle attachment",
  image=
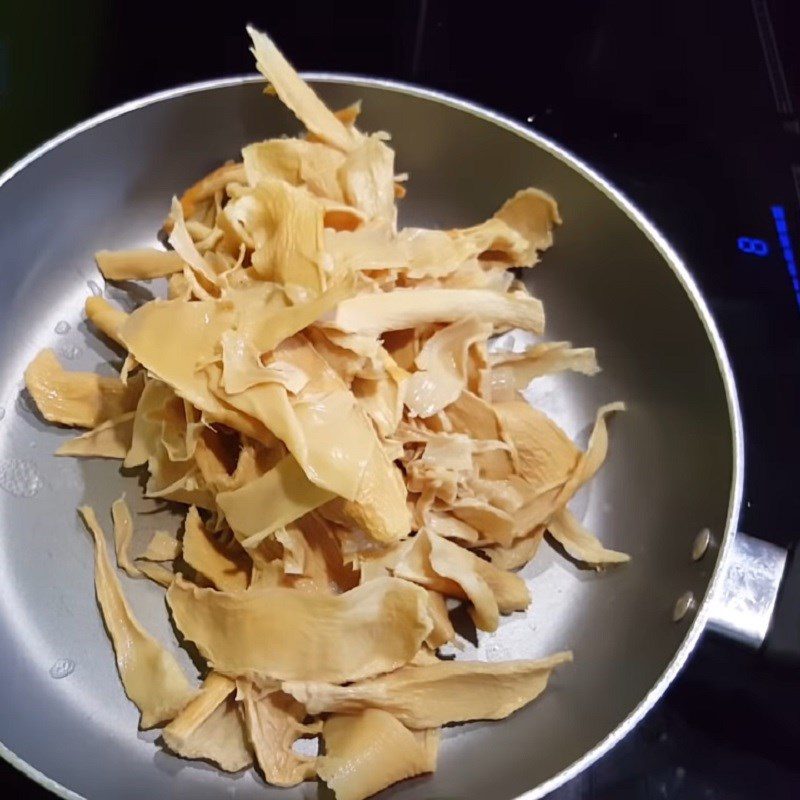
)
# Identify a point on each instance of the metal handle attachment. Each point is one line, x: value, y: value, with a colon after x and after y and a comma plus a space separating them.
x: 743, y: 604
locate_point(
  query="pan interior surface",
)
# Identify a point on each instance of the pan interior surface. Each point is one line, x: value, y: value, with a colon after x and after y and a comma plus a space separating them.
x: 604, y: 284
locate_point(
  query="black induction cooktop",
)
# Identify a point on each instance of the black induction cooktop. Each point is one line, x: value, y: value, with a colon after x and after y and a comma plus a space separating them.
x: 689, y: 107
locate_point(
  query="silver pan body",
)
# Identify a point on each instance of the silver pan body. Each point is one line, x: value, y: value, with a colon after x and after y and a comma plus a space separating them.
x: 610, y: 281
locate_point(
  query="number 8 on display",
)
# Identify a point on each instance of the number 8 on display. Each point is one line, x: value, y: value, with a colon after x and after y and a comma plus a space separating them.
x: 753, y: 247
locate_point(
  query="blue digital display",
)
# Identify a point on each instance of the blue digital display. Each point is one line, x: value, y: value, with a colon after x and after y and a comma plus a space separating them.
x: 753, y: 247
x: 779, y: 215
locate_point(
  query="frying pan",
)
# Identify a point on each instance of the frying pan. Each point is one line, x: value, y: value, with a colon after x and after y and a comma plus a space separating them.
x: 611, y: 281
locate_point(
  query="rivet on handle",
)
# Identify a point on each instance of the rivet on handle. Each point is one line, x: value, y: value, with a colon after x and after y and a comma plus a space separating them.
x: 683, y: 605
x: 700, y: 544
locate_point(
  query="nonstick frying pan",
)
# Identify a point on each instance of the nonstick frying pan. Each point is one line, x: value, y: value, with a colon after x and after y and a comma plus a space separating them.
x: 674, y: 472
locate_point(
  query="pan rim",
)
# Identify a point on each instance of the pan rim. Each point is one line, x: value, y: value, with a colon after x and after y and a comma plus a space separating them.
x: 645, y: 226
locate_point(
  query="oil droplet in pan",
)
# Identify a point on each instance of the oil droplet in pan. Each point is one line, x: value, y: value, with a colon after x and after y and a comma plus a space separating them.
x: 62, y: 327
x: 62, y: 668
x: 70, y: 351
x: 94, y: 288
x: 19, y: 478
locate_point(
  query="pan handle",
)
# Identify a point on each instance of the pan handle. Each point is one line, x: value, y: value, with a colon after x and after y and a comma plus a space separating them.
x: 758, y: 600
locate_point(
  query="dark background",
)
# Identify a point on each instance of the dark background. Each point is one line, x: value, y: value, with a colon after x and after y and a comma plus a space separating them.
x: 688, y: 106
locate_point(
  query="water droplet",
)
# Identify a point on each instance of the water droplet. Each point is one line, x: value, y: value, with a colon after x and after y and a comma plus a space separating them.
x: 70, y: 351
x: 19, y: 478
x: 62, y: 327
x: 62, y: 668
x: 496, y: 652
x: 94, y: 288
x: 2, y: 412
